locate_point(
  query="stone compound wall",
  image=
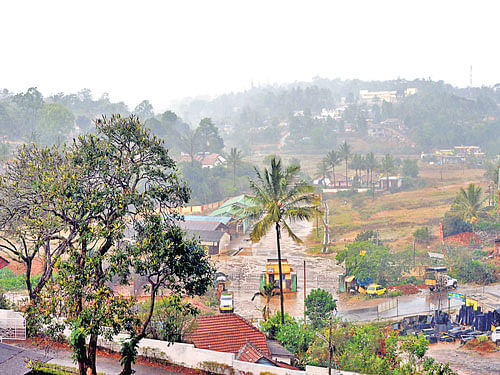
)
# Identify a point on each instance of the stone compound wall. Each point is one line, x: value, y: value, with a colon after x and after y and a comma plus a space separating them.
x: 188, y: 356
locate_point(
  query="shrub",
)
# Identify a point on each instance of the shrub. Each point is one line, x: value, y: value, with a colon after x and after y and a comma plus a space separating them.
x: 394, y: 293
x: 216, y: 368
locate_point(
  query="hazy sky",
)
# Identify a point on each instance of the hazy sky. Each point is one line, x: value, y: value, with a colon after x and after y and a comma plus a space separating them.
x: 166, y: 50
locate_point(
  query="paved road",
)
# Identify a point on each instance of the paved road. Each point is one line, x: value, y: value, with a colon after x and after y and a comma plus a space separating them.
x: 425, y: 302
x: 465, y: 362
x: 244, y: 272
x: 106, y: 365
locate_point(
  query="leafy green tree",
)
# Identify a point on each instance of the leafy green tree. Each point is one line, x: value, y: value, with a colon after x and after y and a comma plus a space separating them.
x: 272, y: 325
x: 453, y: 224
x: 345, y: 152
x: 410, y: 168
x: 207, y: 135
x: 422, y: 235
x: 279, y: 196
x: 415, y: 348
x: 144, y: 110
x: 468, y: 204
x: 319, y: 305
x: 30, y: 230
x: 296, y: 337
x: 117, y: 175
x: 234, y: 159
x: 28, y: 106
x: 332, y: 159
x: 7, y: 127
x: 169, y: 262
x: 55, y: 122
x: 268, y: 292
x: 369, y: 262
x: 172, y: 319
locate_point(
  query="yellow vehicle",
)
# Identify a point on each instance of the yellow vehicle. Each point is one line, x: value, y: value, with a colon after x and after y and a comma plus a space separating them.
x: 226, y: 303
x: 375, y: 289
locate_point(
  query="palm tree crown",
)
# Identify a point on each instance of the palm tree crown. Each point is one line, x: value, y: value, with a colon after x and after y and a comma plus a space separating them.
x: 345, y: 152
x: 469, y: 204
x: 268, y: 292
x: 279, y: 196
x: 332, y: 159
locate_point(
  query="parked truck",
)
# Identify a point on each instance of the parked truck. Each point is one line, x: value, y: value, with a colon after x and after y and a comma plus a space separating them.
x: 437, y: 279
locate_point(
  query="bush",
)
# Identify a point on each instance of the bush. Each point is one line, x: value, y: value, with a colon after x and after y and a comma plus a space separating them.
x: 468, y: 270
x: 422, y: 235
x: 394, y: 293
x: 271, y: 326
x: 319, y: 304
x: 12, y: 282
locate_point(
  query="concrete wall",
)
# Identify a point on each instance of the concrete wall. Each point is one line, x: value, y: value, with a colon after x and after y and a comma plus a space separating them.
x: 189, y: 356
x: 314, y: 370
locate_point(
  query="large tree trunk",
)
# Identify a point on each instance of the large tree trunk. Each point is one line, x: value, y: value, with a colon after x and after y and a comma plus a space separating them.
x: 128, y: 360
x: 282, y: 302
x: 333, y: 170
x: 92, y: 353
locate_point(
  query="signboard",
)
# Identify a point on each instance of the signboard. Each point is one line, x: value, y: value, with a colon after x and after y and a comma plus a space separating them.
x: 459, y: 296
x: 389, y: 305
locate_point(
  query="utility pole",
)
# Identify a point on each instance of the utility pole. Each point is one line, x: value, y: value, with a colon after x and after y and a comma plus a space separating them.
x: 326, y: 234
x: 330, y: 351
x: 498, y: 187
x: 305, y: 292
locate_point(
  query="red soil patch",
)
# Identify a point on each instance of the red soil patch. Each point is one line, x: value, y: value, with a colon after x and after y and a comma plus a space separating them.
x: 405, y: 289
x: 483, y: 347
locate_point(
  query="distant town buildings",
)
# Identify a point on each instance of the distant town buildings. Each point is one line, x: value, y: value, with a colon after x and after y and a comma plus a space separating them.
x: 207, y: 159
x: 378, y: 97
x: 457, y: 154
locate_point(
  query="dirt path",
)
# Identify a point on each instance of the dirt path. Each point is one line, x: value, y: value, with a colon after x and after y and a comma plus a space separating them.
x: 244, y: 272
x: 465, y: 362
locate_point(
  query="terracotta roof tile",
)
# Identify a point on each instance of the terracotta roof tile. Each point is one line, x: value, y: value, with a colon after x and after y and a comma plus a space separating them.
x: 249, y: 353
x: 227, y: 333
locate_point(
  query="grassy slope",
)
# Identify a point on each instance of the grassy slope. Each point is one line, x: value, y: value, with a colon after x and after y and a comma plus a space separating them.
x: 397, y: 216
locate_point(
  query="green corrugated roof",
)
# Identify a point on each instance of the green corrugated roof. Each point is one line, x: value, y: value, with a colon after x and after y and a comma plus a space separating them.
x: 228, y: 207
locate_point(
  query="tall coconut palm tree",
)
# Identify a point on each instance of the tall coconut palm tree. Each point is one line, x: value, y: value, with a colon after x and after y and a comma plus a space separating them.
x: 268, y: 292
x: 345, y: 152
x: 469, y: 204
x: 387, y: 166
x: 371, y: 164
x: 279, y: 196
x: 332, y: 159
x: 234, y: 159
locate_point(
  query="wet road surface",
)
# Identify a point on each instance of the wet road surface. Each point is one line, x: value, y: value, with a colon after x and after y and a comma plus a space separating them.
x: 244, y: 272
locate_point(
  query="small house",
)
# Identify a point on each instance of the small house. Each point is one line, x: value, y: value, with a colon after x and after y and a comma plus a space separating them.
x: 231, y: 333
x: 272, y: 275
x: 215, y: 241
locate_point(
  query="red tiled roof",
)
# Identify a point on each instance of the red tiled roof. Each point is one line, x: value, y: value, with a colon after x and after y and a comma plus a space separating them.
x: 249, y: 353
x: 3, y: 262
x: 227, y: 333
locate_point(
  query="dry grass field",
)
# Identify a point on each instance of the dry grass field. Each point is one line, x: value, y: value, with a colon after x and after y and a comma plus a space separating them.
x: 396, y: 216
